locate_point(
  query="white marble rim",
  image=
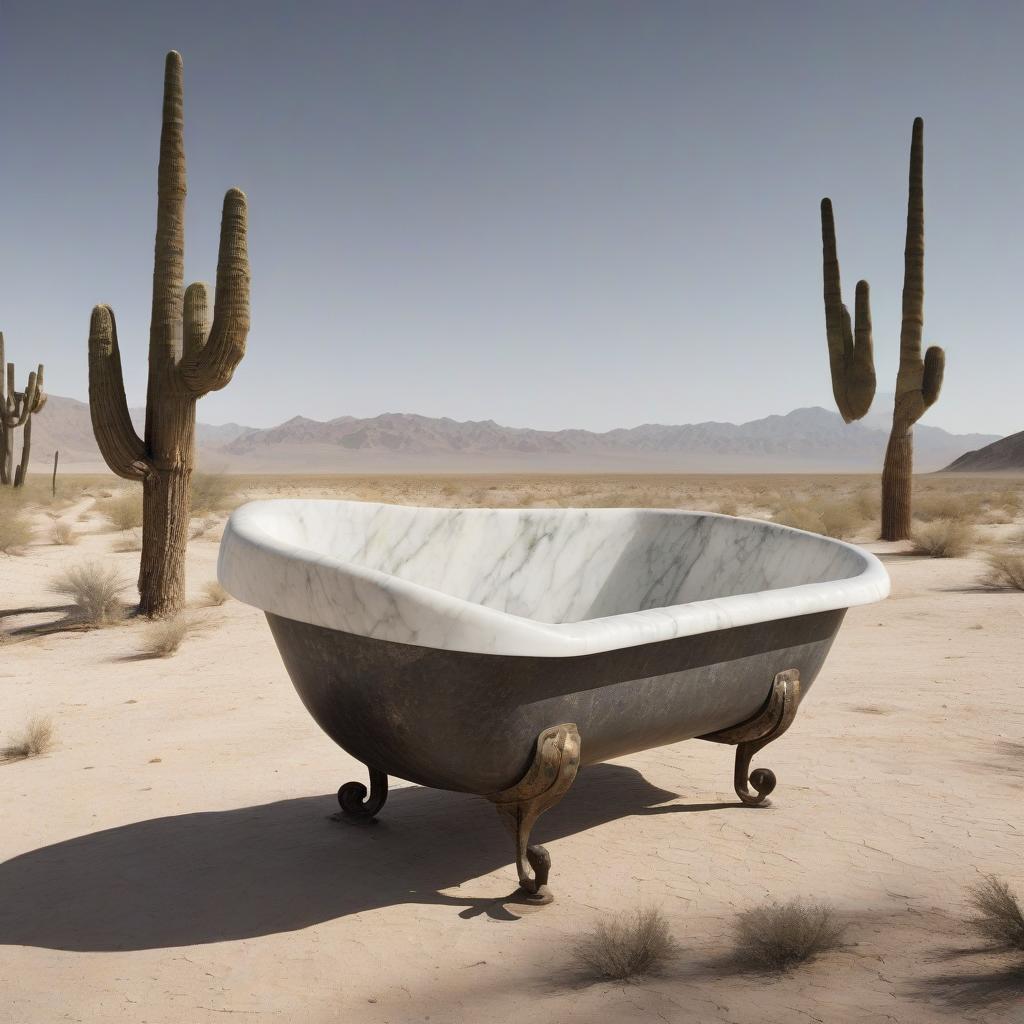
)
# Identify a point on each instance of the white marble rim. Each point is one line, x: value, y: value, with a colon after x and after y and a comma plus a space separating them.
x: 253, y: 566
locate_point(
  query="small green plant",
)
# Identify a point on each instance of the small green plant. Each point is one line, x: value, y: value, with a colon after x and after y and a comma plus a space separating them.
x: 95, y: 591
x: 778, y: 936
x: 33, y: 741
x: 1000, y: 918
x: 626, y: 947
x: 215, y: 594
x: 943, y: 538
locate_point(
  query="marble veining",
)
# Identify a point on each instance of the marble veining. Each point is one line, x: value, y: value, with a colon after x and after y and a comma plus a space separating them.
x: 541, y: 582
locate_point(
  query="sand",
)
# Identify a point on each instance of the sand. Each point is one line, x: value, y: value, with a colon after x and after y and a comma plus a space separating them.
x: 173, y: 858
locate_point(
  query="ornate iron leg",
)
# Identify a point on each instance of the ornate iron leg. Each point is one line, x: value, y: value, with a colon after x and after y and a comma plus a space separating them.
x: 354, y: 803
x: 750, y: 736
x: 547, y: 780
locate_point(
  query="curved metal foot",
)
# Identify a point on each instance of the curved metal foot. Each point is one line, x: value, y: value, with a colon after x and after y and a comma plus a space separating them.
x: 750, y: 736
x: 356, y: 805
x: 555, y: 764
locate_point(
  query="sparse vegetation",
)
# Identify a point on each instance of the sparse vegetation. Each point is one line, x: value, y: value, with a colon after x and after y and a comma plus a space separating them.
x: 212, y: 492
x: 1005, y: 571
x: 626, y: 947
x: 124, y: 510
x: 34, y: 740
x: 1000, y: 918
x: 164, y: 636
x: 944, y: 538
x: 15, y: 529
x: 95, y: 590
x: 778, y: 936
x: 215, y: 594
x: 129, y: 541
x: 63, y: 533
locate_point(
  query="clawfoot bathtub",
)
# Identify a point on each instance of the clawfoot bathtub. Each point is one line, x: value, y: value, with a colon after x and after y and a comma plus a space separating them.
x: 496, y: 651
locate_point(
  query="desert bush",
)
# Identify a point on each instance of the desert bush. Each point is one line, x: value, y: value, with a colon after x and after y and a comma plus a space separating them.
x: 123, y: 510
x: 626, y: 947
x: 130, y: 541
x: 1000, y: 917
x: 95, y: 591
x: 212, y: 492
x: 15, y: 529
x: 841, y: 519
x: 932, y: 505
x: 165, y: 636
x: 33, y: 741
x: 727, y: 507
x: 800, y: 517
x: 868, y: 503
x: 63, y: 533
x: 215, y: 594
x: 778, y: 936
x: 1005, y: 571
x: 943, y: 538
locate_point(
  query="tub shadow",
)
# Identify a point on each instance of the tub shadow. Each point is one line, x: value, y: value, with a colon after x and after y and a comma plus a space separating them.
x: 214, y: 876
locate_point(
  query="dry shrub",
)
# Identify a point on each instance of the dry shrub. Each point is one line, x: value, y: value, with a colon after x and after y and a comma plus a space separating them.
x: 165, y: 636
x: 215, y: 594
x: 123, y: 510
x: 95, y: 591
x: 943, y: 538
x: 33, y: 741
x: 841, y: 519
x: 131, y: 541
x: 202, y: 528
x: 778, y: 936
x: 1005, y: 571
x: 63, y: 533
x: 727, y: 507
x: 627, y: 947
x: 1000, y: 917
x: 932, y: 505
x: 212, y: 492
x: 800, y: 517
x: 15, y: 529
x: 868, y: 503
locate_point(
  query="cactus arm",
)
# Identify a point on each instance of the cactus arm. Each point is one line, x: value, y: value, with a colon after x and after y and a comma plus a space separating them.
x: 196, y: 320
x: 934, y: 370
x: 40, y: 393
x: 24, y: 403
x: 850, y: 351
x: 210, y: 366
x: 3, y: 387
x: 122, y: 449
x: 26, y: 447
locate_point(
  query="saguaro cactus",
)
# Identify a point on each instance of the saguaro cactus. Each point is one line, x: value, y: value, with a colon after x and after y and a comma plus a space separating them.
x: 16, y: 410
x: 188, y: 358
x: 918, y: 380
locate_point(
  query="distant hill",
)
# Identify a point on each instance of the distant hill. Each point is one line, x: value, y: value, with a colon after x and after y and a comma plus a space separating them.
x: 805, y: 440
x: 1003, y: 456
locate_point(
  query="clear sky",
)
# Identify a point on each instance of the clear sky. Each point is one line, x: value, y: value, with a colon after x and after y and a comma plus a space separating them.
x: 551, y: 214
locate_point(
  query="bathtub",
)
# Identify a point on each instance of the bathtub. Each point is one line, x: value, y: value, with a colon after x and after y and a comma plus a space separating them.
x: 497, y: 651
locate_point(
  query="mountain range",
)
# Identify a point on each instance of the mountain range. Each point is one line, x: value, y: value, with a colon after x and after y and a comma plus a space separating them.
x: 804, y: 440
x: 1003, y: 456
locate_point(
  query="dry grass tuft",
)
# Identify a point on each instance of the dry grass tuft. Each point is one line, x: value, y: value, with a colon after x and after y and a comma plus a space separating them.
x: 213, y: 492
x: 15, y: 529
x: 63, y: 533
x: 124, y: 510
x: 165, y: 636
x: 131, y: 541
x: 35, y: 740
x: 800, y: 517
x: 627, y: 947
x: 944, y: 538
x: 1005, y: 571
x: 779, y: 936
x: 215, y: 594
x: 96, y: 592
x: 1000, y: 917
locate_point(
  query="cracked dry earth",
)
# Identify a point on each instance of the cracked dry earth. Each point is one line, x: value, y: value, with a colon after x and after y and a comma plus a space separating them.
x: 172, y: 859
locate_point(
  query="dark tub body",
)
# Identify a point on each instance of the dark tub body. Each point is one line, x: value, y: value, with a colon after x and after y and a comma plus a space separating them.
x: 469, y: 722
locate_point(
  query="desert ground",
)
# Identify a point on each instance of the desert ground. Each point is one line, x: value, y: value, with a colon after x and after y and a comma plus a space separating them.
x: 173, y: 857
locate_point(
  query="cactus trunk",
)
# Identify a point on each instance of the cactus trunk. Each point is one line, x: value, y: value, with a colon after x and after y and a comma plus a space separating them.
x: 16, y: 410
x: 897, y: 483
x: 188, y: 358
x: 21, y: 472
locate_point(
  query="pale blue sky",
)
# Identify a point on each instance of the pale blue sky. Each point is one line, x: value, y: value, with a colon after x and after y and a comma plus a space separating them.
x: 551, y: 214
